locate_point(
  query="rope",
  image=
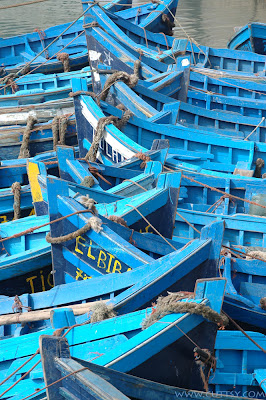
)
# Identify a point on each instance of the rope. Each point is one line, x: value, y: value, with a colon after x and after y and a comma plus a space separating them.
x: 145, y: 219
x: 31, y: 230
x: 135, y: 183
x: 98, y: 135
x: 53, y: 383
x: 59, y: 128
x: 16, y: 190
x: 263, y: 303
x: 244, y: 333
x: 89, y: 203
x: 220, y: 191
x: 101, y: 311
x: 223, y: 81
x: 22, y: 4
x: 64, y: 58
x: 93, y: 223
x: 129, y: 79
x: 61, y: 34
x: 195, y: 229
x: 88, y: 181
x: 118, y: 220
x: 24, y: 149
x: 262, y: 119
x: 172, y: 304
x: 143, y: 157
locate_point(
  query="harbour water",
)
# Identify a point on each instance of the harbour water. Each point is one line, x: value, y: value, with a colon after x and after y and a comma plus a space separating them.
x: 210, y: 22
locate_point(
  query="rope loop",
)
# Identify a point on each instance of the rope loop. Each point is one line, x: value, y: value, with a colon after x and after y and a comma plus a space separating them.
x: 93, y: 223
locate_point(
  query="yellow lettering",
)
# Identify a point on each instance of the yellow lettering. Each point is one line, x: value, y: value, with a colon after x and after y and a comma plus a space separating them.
x: 109, y: 263
x: 3, y: 219
x: 147, y: 229
x: 129, y: 269
x: 117, y: 269
x: 79, y: 274
x: 78, y: 241
x: 89, y: 252
x: 32, y: 212
x: 30, y: 280
x: 101, y: 260
x: 49, y: 280
x: 42, y: 279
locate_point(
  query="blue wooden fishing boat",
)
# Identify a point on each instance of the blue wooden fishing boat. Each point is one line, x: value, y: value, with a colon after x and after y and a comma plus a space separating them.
x: 156, y: 269
x: 57, y: 363
x: 251, y: 37
x: 211, y: 60
x: 30, y: 49
x: 157, y: 206
x: 240, y: 368
x: 42, y: 139
x: 221, y: 154
x: 157, y: 352
x: 20, y: 254
x: 19, y: 53
x: 209, y: 121
x: 245, y: 289
x: 15, y: 170
x: 25, y: 261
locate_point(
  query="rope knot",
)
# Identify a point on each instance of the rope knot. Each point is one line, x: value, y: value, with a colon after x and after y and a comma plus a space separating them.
x: 118, y: 220
x: 129, y: 79
x: 89, y: 203
x: 143, y: 157
x: 64, y: 58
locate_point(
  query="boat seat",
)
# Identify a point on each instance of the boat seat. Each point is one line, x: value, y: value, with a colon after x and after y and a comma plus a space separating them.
x: 28, y: 57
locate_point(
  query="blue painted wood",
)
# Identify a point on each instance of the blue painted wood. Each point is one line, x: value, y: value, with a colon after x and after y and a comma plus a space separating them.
x: 211, y: 59
x: 158, y: 205
x: 246, y: 285
x: 16, y: 51
x: 211, y: 121
x: 140, y: 352
x: 251, y: 37
x: 238, y: 359
x: 139, y: 134
x: 160, y: 272
x: 57, y: 362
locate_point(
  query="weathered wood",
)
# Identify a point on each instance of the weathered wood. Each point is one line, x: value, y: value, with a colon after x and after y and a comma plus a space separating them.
x: 33, y: 316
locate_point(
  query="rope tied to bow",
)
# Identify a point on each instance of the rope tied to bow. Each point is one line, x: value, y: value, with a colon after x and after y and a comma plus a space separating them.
x: 64, y: 58
x: 24, y: 149
x: 204, y: 358
x: 143, y: 157
x: 89, y: 203
x: 93, y: 223
x: 17, y: 306
x: 16, y: 190
x: 117, y: 220
x: 98, y: 135
x: 129, y: 79
x: 171, y: 304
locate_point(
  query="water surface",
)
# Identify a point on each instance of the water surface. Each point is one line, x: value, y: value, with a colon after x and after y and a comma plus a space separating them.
x: 210, y: 22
